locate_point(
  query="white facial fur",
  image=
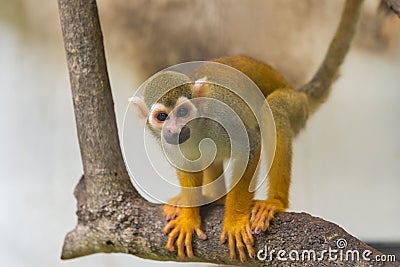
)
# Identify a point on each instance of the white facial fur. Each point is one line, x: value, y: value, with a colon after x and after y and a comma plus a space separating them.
x: 154, y: 111
x: 174, y: 122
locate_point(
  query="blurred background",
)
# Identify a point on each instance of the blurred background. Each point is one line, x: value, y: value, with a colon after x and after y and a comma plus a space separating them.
x: 346, y: 162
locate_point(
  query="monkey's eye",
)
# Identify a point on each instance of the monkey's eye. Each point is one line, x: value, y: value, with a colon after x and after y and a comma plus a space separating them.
x: 162, y: 116
x: 182, y: 112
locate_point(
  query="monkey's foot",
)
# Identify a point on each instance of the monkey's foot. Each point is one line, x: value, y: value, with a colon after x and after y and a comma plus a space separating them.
x: 181, y: 229
x: 172, y: 209
x: 239, y: 235
x: 263, y: 212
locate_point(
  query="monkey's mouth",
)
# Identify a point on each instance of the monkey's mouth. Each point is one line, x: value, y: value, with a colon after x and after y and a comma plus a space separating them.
x: 177, y: 138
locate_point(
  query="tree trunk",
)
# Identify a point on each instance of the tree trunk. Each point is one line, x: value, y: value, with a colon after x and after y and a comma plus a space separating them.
x: 113, y: 217
x: 105, y: 175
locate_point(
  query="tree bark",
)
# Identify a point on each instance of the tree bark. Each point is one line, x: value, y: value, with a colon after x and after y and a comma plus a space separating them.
x: 105, y: 175
x: 134, y: 226
x: 112, y: 216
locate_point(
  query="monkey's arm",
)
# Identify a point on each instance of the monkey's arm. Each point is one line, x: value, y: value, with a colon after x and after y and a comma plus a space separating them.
x: 213, y: 185
x: 236, y: 227
x: 181, y: 228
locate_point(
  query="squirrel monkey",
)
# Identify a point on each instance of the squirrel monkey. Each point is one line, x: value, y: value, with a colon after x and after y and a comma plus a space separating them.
x: 169, y: 116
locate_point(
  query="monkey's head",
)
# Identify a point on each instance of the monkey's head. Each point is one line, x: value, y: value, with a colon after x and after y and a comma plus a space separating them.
x: 167, y: 107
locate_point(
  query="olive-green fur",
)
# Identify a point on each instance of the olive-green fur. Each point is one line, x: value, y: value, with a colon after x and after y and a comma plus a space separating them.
x: 166, y: 87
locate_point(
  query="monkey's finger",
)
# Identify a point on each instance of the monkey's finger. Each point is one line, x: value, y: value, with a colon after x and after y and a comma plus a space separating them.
x: 271, y: 213
x: 181, y: 245
x: 257, y: 216
x: 188, y: 244
x: 254, y: 212
x: 253, y: 224
x: 256, y: 206
x: 263, y: 223
x: 231, y: 245
x: 249, y: 236
x: 256, y: 222
x: 169, y: 226
x: 170, y: 243
x: 171, y: 238
x: 249, y: 243
x: 166, y: 209
x: 266, y: 220
x: 249, y: 233
x: 200, y: 234
x: 222, y: 237
x: 170, y: 217
x: 257, y: 225
x: 261, y: 211
x: 253, y: 215
x: 170, y: 212
x: 240, y: 247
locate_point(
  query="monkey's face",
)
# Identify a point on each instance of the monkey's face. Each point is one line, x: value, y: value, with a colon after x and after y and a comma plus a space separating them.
x: 172, y: 122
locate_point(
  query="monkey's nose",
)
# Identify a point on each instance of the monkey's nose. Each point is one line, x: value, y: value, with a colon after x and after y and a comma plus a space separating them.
x: 177, y: 138
x: 184, y: 134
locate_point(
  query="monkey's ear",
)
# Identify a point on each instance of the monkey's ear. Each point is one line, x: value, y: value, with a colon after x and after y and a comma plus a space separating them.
x: 139, y: 106
x: 199, y: 87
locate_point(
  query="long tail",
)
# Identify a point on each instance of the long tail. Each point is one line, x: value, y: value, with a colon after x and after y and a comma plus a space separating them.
x: 319, y: 86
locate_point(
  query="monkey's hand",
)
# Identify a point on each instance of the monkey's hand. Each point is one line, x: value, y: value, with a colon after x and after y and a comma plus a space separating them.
x: 239, y: 235
x: 263, y: 212
x: 172, y: 209
x: 181, y: 229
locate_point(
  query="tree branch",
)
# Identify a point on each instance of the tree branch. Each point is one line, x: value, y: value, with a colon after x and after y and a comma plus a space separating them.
x: 112, y: 217
x: 134, y: 226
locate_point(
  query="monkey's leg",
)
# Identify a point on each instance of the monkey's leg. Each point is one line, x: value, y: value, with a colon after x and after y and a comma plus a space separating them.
x: 290, y: 111
x: 237, y: 213
x: 279, y: 180
x: 213, y: 188
x: 181, y: 228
